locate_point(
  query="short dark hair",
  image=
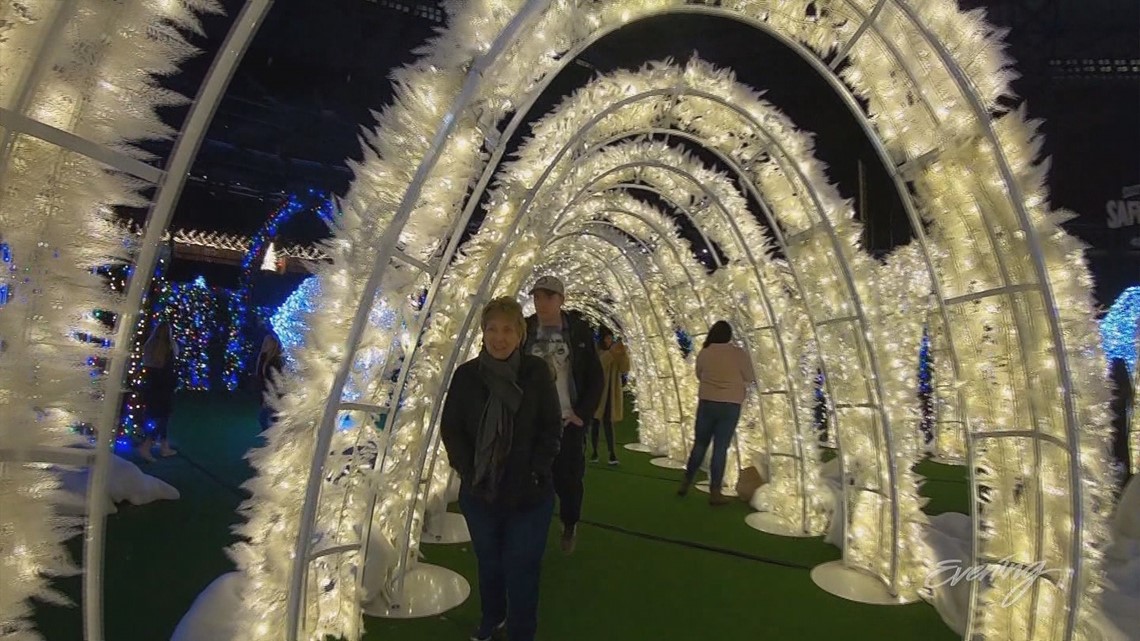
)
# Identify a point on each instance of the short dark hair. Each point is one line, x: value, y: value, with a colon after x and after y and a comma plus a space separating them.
x: 720, y: 332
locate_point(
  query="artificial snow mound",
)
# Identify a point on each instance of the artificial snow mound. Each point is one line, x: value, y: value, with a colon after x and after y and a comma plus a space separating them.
x: 951, y: 539
x: 213, y: 615
x: 125, y: 482
x: 1119, y: 618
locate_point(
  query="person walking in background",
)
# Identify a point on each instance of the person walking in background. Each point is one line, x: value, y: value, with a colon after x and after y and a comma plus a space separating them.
x: 566, y: 343
x: 1121, y: 406
x: 160, y: 380
x: 502, y: 427
x: 725, y: 373
x: 615, y: 364
x: 269, y: 364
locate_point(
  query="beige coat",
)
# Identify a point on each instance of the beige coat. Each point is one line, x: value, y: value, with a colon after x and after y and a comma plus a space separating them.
x: 613, y: 366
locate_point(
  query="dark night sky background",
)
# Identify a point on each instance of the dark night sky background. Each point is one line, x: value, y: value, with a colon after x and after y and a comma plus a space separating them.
x: 293, y: 112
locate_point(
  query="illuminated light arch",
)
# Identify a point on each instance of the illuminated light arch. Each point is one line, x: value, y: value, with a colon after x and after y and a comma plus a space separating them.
x: 952, y: 102
x: 79, y: 89
x: 616, y: 166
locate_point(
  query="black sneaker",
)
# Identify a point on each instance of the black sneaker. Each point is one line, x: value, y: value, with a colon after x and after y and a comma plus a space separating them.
x: 614, y: 461
x: 594, y: 458
x: 482, y: 633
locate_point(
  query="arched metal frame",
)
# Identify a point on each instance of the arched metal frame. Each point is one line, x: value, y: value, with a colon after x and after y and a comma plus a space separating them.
x: 587, y: 191
x: 1071, y: 444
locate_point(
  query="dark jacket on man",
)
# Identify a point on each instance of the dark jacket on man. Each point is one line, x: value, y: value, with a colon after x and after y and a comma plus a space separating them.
x: 537, y: 435
x: 585, y: 365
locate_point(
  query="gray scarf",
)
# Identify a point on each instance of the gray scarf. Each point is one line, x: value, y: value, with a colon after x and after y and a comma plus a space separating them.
x: 496, y: 427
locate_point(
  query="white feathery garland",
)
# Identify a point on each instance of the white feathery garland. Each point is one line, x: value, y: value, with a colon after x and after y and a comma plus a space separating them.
x: 909, y: 130
x: 96, y: 80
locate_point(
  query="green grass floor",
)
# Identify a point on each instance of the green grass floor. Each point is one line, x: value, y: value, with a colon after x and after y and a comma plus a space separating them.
x: 649, y: 565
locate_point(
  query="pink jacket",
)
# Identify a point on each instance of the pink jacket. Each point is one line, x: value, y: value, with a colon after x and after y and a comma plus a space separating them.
x: 725, y: 372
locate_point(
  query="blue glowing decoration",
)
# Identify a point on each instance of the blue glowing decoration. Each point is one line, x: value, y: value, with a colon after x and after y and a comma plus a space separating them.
x: 926, y: 388
x: 6, y: 258
x: 239, y: 345
x: 289, y: 323
x: 820, y: 409
x: 1120, y: 326
x: 684, y: 342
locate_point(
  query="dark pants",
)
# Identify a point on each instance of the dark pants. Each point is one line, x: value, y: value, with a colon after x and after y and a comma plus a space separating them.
x: 569, y: 470
x: 158, y: 396
x: 607, y: 422
x: 508, y: 547
x: 716, y: 423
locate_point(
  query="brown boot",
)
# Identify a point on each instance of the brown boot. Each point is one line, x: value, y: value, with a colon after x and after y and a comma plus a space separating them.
x: 716, y: 498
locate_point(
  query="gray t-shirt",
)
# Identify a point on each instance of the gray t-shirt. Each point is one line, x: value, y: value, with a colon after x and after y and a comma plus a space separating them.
x: 551, y: 345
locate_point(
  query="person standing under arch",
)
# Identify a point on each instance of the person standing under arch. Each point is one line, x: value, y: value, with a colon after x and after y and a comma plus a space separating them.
x: 566, y: 343
x: 502, y: 427
x: 160, y: 377
x: 270, y: 362
x: 725, y: 373
x: 615, y: 364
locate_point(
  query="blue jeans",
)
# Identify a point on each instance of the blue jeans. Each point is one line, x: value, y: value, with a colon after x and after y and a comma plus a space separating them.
x: 508, y: 547
x: 716, y: 423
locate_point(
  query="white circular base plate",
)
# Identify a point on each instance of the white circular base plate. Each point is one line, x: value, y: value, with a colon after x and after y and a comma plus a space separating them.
x: 667, y: 463
x: 429, y: 590
x: 638, y: 447
x: 769, y: 523
x: 847, y: 583
x: 703, y: 486
x: 446, y: 528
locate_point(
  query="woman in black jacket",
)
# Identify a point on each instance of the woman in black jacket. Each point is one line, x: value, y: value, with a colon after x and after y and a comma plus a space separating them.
x: 501, y: 427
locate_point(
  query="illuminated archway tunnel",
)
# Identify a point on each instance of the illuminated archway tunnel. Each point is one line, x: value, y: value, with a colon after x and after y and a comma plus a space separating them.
x: 1005, y: 289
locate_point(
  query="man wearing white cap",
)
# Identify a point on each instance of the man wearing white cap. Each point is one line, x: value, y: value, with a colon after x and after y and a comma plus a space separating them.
x: 566, y: 343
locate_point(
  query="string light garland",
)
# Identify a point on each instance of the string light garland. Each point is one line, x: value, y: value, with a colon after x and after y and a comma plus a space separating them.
x: 993, y: 274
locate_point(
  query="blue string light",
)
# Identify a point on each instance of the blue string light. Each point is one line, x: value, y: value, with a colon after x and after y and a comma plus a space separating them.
x: 926, y: 387
x: 288, y: 321
x: 1118, y: 328
x: 6, y: 258
x: 238, y: 344
x: 191, y: 311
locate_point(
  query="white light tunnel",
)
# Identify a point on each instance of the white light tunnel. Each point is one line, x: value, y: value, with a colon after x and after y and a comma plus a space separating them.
x: 945, y: 129
x: 1004, y: 291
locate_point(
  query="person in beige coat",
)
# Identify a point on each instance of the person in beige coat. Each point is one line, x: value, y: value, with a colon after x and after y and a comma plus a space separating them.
x: 615, y: 364
x: 725, y: 374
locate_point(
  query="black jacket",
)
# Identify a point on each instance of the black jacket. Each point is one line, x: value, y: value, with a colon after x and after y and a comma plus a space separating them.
x: 584, y: 363
x: 537, y: 431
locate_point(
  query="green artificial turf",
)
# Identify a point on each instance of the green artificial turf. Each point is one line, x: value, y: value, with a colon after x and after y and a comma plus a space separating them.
x: 649, y: 564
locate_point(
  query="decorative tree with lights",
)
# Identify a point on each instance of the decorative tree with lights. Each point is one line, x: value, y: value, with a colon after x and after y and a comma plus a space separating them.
x: 264, y: 254
x: 191, y: 310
